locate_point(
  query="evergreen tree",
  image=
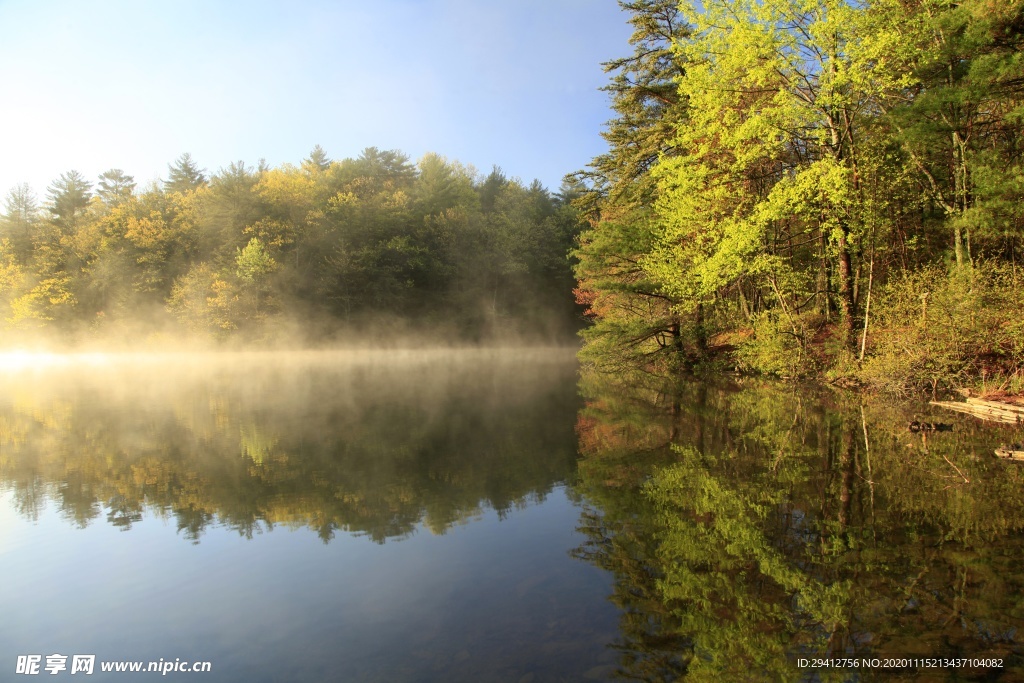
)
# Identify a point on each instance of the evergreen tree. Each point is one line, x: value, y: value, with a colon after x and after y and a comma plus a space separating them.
x: 388, y: 165
x: 645, y: 99
x: 115, y: 186
x: 631, y: 313
x: 20, y: 216
x: 230, y: 204
x: 961, y: 129
x: 489, y: 189
x: 316, y: 161
x: 185, y: 175
x: 68, y: 197
x: 442, y: 185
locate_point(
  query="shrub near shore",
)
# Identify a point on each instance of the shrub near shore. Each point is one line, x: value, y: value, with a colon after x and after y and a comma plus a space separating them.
x: 950, y: 328
x: 933, y: 328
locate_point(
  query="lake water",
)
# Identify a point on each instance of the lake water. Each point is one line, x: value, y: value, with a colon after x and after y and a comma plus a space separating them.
x: 488, y: 516
x: 751, y: 525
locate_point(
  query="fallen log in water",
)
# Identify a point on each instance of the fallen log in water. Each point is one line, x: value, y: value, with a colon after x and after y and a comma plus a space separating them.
x: 1000, y: 405
x: 1014, y: 452
x: 985, y: 410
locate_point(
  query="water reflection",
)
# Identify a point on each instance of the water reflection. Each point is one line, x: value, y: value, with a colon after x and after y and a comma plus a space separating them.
x: 477, y: 447
x: 745, y: 525
x: 750, y: 524
x: 368, y: 443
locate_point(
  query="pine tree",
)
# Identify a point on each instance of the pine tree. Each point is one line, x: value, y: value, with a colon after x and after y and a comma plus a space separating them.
x: 68, y: 197
x: 20, y: 216
x: 491, y: 188
x: 185, y: 175
x: 632, y: 315
x: 115, y: 186
x: 961, y: 128
x: 316, y: 161
x: 644, y: 92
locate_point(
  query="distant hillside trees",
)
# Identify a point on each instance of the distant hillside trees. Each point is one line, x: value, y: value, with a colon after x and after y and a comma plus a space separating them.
x: 325, y: 245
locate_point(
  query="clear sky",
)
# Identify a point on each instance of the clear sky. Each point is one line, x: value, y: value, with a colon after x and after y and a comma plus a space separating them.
x: 91, y: 85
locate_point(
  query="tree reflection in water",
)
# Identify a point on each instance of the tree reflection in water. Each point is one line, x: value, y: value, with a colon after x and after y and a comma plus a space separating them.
x: 373, y: 447
x: 749, y: 523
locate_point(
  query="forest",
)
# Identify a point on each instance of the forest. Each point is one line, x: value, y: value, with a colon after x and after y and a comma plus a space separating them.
x: 374, y: 247
x: 812, y: 188
x: 794, y: 188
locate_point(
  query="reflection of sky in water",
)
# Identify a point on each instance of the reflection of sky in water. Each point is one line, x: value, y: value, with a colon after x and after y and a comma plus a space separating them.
x: 490, y: 599
x: 372, y: 441
x: 365, y: 440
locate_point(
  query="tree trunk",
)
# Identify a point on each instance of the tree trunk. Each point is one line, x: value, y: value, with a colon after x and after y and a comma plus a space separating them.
x: 847, y: 306
x: 702, y: 335
x: 822, y: 286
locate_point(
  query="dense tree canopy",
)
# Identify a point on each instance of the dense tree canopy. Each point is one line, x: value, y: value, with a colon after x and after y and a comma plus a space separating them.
x: 326, y: 246
x: 773, y: 163
x: 790, y: 182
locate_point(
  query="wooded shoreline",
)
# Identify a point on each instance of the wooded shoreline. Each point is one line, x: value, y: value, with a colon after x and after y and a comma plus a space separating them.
x: 853, y: 215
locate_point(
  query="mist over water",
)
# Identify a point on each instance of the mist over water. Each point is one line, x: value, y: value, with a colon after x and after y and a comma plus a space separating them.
x: 354, y: 515
x: 487, y: 515
x: 371, y: 441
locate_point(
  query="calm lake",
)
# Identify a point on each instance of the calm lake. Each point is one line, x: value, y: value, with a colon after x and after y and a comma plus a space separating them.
x: 492, y: 516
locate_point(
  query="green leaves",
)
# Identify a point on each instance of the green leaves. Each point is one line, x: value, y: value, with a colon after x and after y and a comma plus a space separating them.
x: 184, y: 175
x: 808, y: 143
x: 254, y: 263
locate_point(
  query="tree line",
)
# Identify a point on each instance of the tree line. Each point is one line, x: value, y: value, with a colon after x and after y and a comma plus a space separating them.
x: 820, y: 186
x: 246, y: 253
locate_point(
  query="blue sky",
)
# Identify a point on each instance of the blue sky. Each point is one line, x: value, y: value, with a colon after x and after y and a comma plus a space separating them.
x: 93, y: 85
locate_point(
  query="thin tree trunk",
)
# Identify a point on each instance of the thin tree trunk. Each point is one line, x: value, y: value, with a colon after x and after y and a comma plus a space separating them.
x: 867, y: 309
x: 744, y: 308
x: 823, y: 278
x: 677, y: 337
x: 846, y: 303
x: 702, y: 336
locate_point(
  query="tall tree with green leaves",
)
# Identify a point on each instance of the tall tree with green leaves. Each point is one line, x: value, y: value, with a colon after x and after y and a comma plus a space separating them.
x: 774, y: 150
x: 67, y: 198
x: 230, y: 205
x: 115, y: 186
x: 184, y: 175
x: 645, y: 99
x: 316, y: 161
x: 20, y: 216
x: 253, y: 266
x: 632, y: 314
x: 959, y: 124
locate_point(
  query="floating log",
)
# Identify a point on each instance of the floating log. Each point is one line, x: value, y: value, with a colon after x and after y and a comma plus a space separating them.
x: 999, y: 405
x: 989, y: 410
x: 1014, y: 452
